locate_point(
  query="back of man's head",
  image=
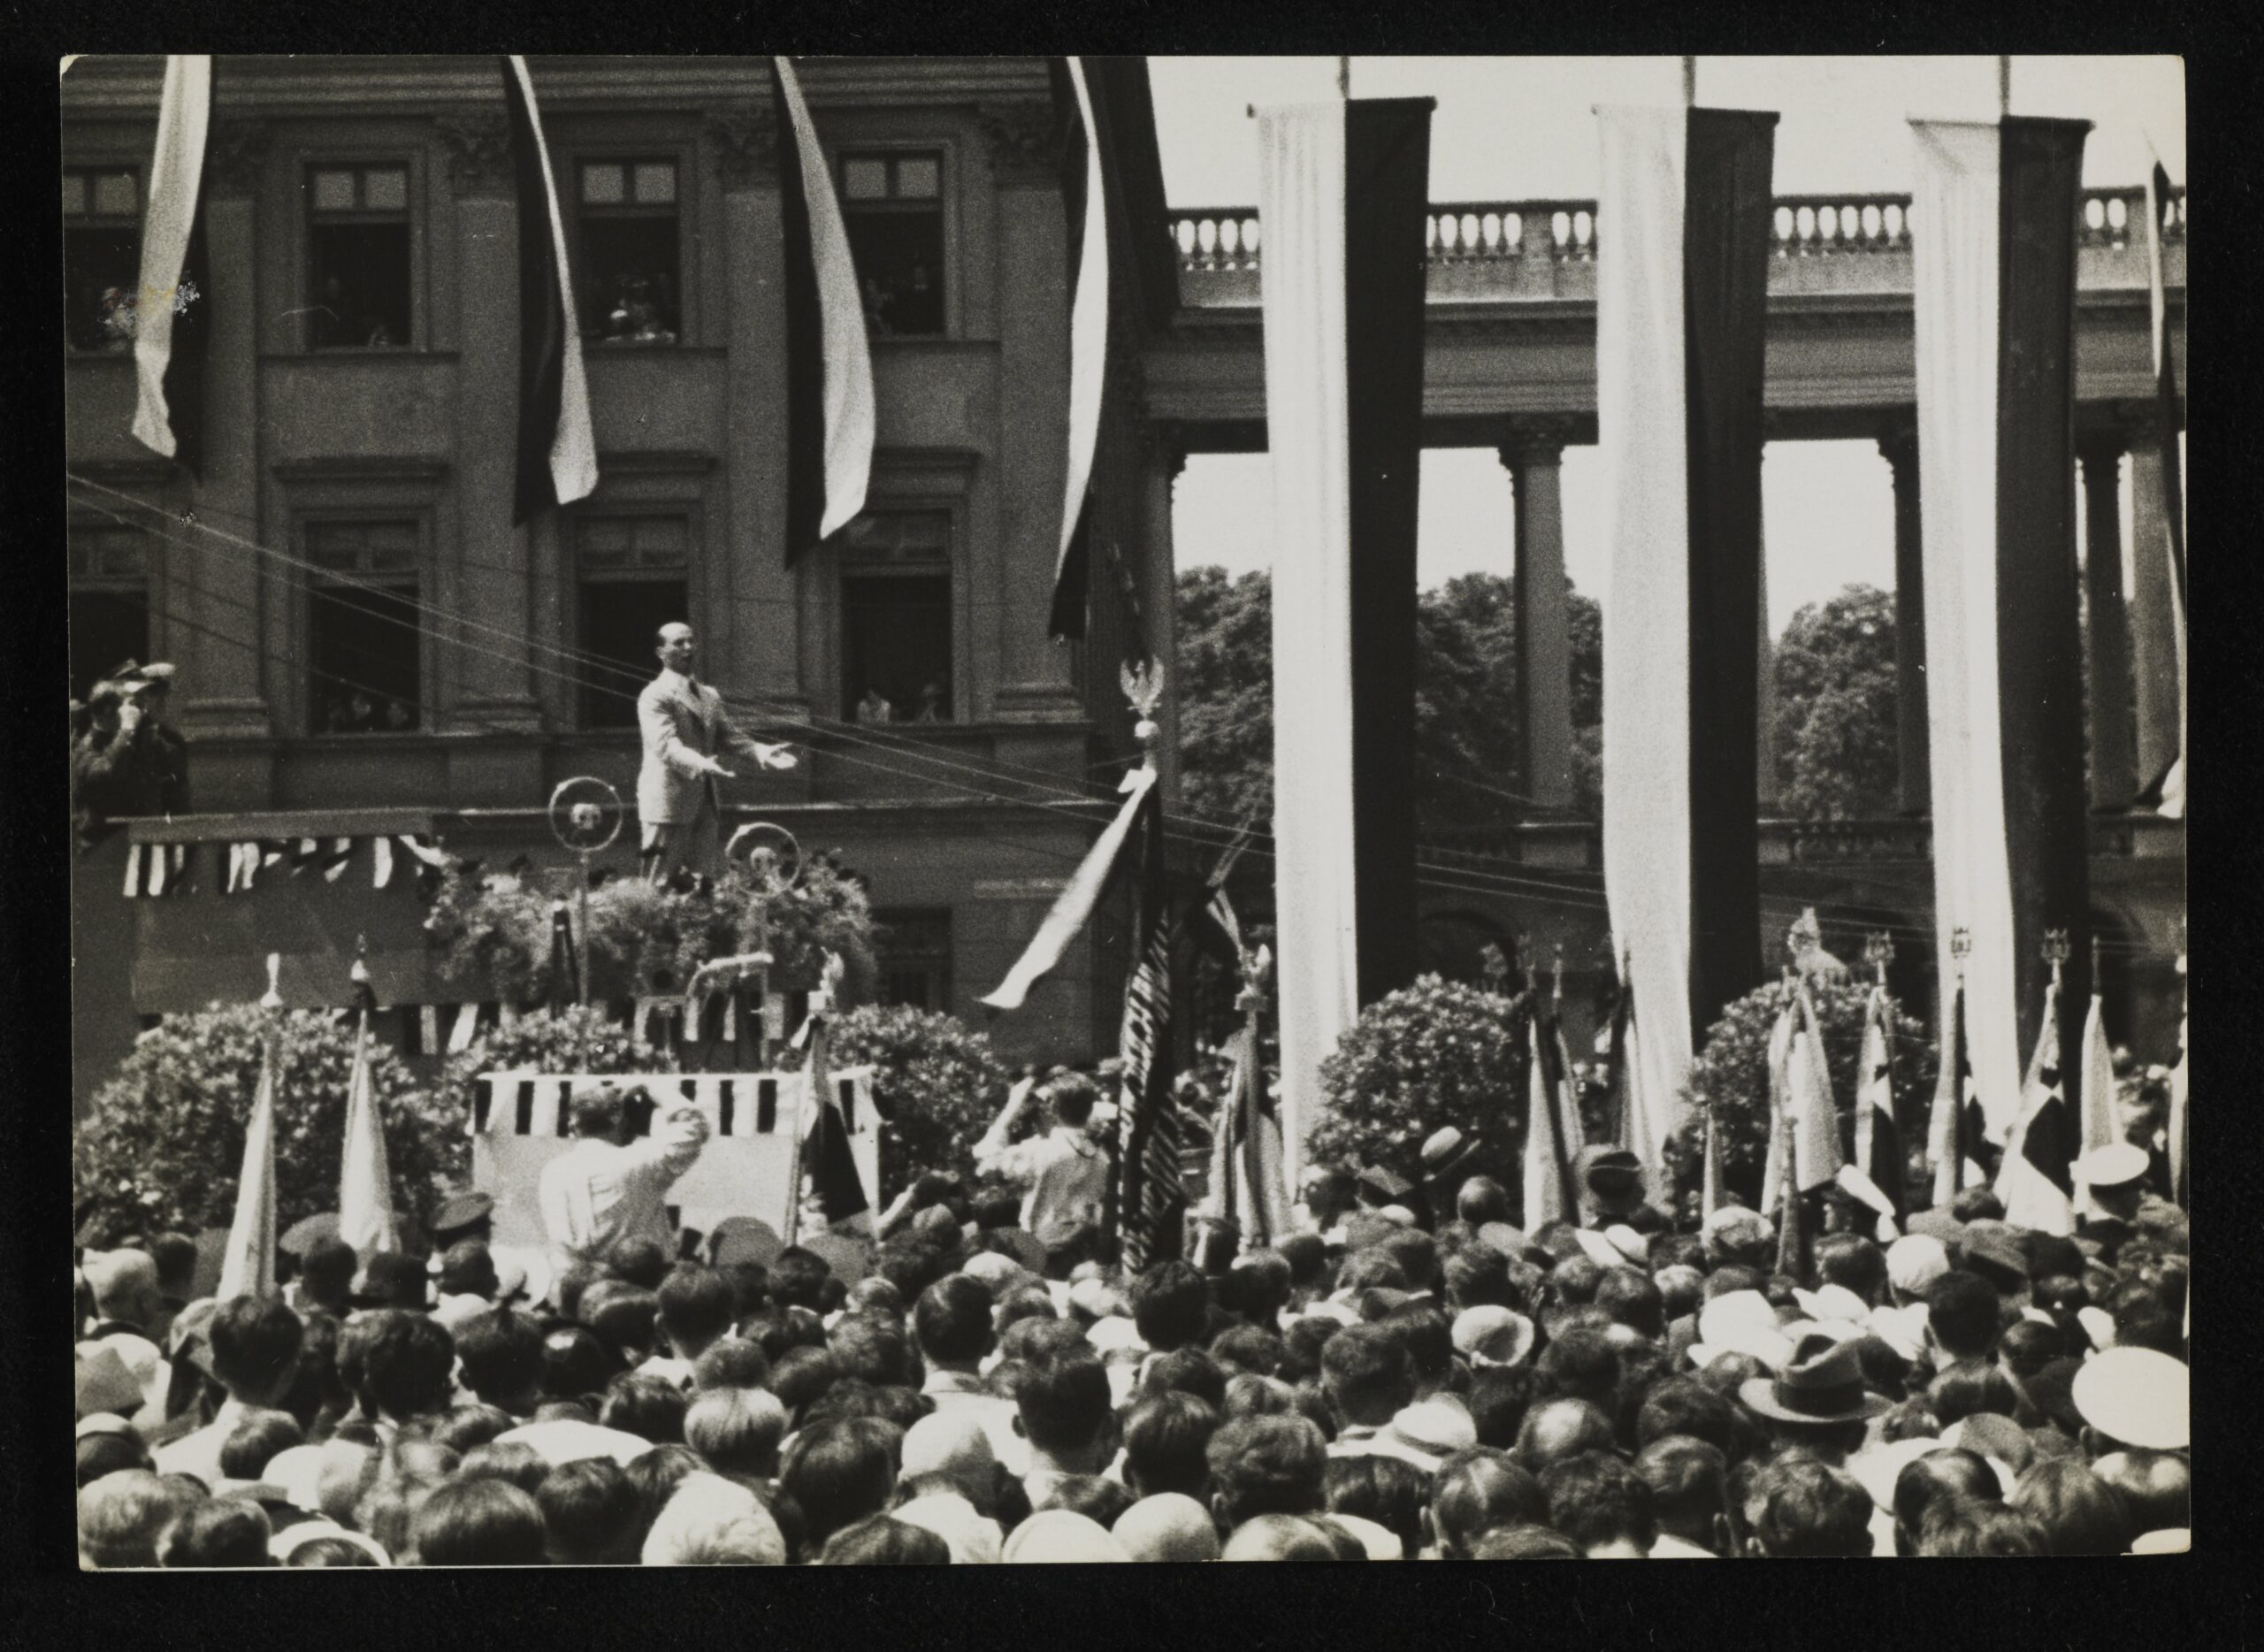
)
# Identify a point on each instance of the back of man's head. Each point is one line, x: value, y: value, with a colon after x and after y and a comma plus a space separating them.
x: 1367, y: 1375
x: 121, y: 1516
x: 500, y: 1356
x: 1417, y: 1254
x: 1063, y: 1399
x: 175, y: 1254
x: 468, y: 1269
x: 1958, y: 1528
x: 1952, y: 1474
x: 1685, y: 1406
x: 696, y: 1306
x: 1267, y: 1465
x: 125, y: 1284
x: 1167, y: 1442
x: 798, y: 1278
x: 1976, y: 1204
x: 1561, y: 1428
x: 1073, y: 1097
x: 223, y: 1532
x: 639, y: 1262
x: 1742, y: 1239
x: 327, y: 1274
x: 2081, y: 1513
x: 1962, y: 1308
x: 874, y: 1349
x: 1187, y: 1371
x: 1854, y: 1262
x: 1633, y: 1300
x: 255, y: 1347
x: 1580, y: 1365
x: 1801, y: 1507
x: 838, y: 1472
x: 1171, y: 1306
x: 407, y: 1365
x: 1968, y: 1388
x: 951, y: 1321
x: 1428, y: 1335
x: 1479, y: 1277
x: 1601, y: 1504
x: 1498, y: 1400
x: 2157, y: 1485
x: 590, y: 1513
x: 1482, y: 1200
x: 1308, y: 1257
x: 1688, y: 1478
x: 1481, y: 1490
x: 597, y: 1110
x: 1572, y: 1282
x: 738, y: 1430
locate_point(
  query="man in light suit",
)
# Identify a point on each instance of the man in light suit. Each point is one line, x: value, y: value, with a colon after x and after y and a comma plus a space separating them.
x: 684, y: 725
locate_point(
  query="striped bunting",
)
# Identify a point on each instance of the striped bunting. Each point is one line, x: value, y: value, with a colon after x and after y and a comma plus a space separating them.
x: 734, y: 1104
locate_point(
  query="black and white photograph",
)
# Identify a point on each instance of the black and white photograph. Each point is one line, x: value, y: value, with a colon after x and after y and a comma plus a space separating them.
x: 986, y: 810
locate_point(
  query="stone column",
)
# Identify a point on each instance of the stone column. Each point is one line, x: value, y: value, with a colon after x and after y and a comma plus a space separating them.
x: 2106, y: 627
x: 1163, y: 458
x: 749, y: 587
x: 1544, y: 652
x: 216, y: 584
x: 2153, y: 614
x: 485, y: 571
x: 1764, y: 665
x: 1899, y: 447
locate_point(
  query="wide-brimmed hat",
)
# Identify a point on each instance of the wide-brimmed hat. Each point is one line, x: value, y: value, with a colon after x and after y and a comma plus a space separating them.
x: 1491, y: 1335
x: 464, y: 1208
x: 2117, y: 1164
x: 1379, y: 1185
x: 1740, y: 1322
x: 2137, y: 1397
x: 1612, y: 1167
x: 1447, y: 1153
x: 308, y: 1232
x: 1833, y: 1303
x: 1825, y: 1388
x: 1433, y: 1430
x: 1916, y: 1261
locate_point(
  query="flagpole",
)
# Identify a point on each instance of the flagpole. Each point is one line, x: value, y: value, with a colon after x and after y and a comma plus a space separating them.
x: 2004, y: 86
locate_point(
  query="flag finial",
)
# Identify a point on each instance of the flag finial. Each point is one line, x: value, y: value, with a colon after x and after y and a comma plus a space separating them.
x: 272, y: 999
x: 2056, y: 951
x: 360, y: 972
x: 1879, y: 952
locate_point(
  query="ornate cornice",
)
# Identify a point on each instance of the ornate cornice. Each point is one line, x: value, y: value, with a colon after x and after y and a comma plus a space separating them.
x: 1022, y: 139
x: 479, y: 151
x: 744, y: 139
x: 237, y: 151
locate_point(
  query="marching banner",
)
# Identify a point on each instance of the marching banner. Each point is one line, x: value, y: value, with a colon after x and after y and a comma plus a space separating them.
x: 520, y: 1121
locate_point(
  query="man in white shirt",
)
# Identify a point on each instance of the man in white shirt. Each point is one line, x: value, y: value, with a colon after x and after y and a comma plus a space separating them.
x: 1064, y: 1171
x: 610, y: 1186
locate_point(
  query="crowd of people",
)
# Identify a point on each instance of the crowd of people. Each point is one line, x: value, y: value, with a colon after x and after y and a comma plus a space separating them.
x: 1373, y: 1387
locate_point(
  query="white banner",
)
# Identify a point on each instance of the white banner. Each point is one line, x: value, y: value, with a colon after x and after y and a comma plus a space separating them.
x: 1301, y: 202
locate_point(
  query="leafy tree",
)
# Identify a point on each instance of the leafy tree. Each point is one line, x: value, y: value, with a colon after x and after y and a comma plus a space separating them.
x: 937, y: 1081
x: 1837, y: 754
x: 1436, y: 1053
x: 164, y: 1144
x: 1465, y: 710
x: 1730, y: 1080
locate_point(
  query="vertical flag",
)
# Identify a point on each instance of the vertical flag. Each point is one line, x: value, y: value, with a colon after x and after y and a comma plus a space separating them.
x: 836, y: 1187
x: 1084, y: 199
x: 1956, y: 1134
x: 2101, y: 1127
x: 558, y: 450
x: 565, y: 968
x: 1878, y: 1140
x: 1550, y: 1192
x: 1637, y: 1114
x: 1148, y: 1114
x: 2037, y: 1179
x: 829, y: 359
x: 172, y: 319
x: 365, y: 1215
x: 1817, y: 1156
x: 2168, y: 422
x: 247, y: 1266
x: 1341, y: 193
x: 1075, y: 902
x: 1777, y: 1168
x: 1681, y: 282
x: 1994, y: 300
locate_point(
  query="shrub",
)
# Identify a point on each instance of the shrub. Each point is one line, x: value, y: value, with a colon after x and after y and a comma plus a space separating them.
x: 935, y: 1080
x: 1730, y: 1079
x: 164, y: 1144
x: 1438, y: 1053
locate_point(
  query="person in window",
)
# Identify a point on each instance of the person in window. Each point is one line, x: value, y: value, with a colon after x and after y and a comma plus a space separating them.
x: 932, y: 703
x: 115, y: 315
x: 685, y: 726
x: 128, y: 762
x: 874, y: 707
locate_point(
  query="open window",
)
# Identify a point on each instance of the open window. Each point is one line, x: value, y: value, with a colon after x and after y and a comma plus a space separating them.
x: 364, y: 629
x: 629, y: 285
x: 630, y: 577
x: 896, y: 617
x: 359, y: 284
x: 108, y: 617
x: 102, y: 257
x: 892, y: 207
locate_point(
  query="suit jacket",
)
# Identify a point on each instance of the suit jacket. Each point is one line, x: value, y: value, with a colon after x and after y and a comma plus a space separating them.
x: 685, y: 729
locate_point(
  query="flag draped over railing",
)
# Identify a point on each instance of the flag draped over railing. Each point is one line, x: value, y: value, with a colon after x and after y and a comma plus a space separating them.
x: 173, y: 312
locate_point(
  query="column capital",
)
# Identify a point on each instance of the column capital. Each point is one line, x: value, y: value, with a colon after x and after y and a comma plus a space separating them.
x: 2103, y: 448
x: 1897, y: 444
x: 1539, y: 439
x: 744, y: 139
x: 480, y: 152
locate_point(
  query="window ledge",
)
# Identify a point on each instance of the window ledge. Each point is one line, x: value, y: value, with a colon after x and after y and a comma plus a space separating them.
x: 359, y: 356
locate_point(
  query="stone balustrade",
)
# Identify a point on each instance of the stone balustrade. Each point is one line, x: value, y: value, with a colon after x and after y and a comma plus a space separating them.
x: 1481, y: 250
